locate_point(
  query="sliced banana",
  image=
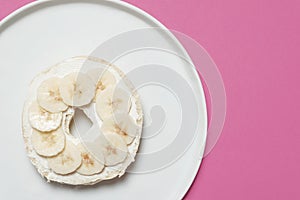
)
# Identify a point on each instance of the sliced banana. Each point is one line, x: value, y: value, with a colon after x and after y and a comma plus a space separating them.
x: 43, y: 120
x: 112, y: 146
x: 122, y: 124
x: 48, y: 144
x: 48, y: 95
x: 90, y: 165
x: 77, y: 89
x: 112, y: 100
x: 115, y: 150
x: 102, y: 78
x: 67, y: 161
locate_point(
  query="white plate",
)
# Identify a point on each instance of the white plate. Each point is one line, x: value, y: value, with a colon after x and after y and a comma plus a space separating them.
x: 43, y: 33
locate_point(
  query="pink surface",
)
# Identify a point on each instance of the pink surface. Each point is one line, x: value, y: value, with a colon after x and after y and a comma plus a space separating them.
x: 256, y: 47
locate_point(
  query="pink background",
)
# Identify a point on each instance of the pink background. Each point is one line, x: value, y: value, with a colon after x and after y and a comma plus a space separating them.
x: 256, y: 47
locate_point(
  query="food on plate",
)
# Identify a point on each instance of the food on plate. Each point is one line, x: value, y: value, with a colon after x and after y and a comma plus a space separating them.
x: 108, y: 99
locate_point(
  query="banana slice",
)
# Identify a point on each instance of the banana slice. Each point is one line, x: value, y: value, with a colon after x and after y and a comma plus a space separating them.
x: 122, y: 124
x: 102, y: 78
x: 67, y: 161
x: 48, y: 144
x: 112, y: 100
x: 77, y: 89
x: 114, y: 150
x: 90, y: 165
x: 48, y: 95
x: 42, y: 120
x: 112, y: 146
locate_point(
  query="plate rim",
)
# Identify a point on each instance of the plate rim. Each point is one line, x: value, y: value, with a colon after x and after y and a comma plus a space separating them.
x: 192, y: 178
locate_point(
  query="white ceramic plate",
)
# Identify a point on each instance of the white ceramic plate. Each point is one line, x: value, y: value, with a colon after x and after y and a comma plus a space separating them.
x: 46, y: 32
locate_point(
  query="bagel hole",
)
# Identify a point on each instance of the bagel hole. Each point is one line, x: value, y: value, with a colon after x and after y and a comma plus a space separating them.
x: 80, y: 124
